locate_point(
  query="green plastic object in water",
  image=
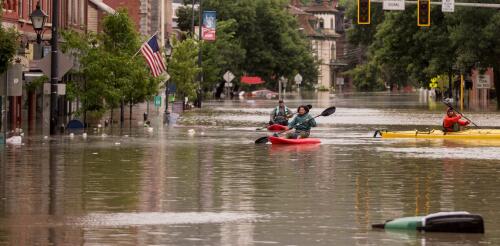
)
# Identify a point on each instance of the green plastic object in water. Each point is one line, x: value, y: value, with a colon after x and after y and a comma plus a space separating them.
x: 406, y: 223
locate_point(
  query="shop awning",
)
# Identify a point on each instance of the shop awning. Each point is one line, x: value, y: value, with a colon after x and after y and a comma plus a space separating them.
x: 251, y: 80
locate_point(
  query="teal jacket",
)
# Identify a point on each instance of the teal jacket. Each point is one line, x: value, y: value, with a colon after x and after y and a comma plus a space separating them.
x: 305, y: 126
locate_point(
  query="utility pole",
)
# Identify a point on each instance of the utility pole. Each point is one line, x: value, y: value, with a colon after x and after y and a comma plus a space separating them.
x: 54, y: 69
x: 200, y: 75
x: 162, y: 23
x: 192, y: 18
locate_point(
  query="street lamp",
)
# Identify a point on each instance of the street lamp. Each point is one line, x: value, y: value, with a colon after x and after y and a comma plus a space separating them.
x: 38, y: 18
x: 168, y: 54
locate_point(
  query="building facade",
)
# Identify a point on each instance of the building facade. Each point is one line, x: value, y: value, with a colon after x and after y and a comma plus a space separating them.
x: 322, y: 22
x: 24, y: 103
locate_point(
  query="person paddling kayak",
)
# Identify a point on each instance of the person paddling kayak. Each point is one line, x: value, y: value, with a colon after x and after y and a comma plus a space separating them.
x: 452, y: 121
x: 280, y: 114
x: 302, y: 123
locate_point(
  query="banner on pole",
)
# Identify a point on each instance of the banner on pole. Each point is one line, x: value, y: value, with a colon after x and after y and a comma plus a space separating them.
x: 209, y: 24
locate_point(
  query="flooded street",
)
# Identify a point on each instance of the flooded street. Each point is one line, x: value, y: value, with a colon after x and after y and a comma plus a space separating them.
x: 213, y: 186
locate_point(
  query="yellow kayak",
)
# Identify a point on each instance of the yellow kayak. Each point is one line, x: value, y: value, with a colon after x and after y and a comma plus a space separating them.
x: 465, y: 134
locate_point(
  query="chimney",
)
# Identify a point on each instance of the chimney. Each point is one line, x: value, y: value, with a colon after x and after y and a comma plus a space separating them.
x: 325, y: 3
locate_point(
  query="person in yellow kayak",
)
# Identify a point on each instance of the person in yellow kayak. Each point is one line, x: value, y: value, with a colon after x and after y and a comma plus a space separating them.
x: 452, y: 121
x: 280, y: 114
x: 302, y: 123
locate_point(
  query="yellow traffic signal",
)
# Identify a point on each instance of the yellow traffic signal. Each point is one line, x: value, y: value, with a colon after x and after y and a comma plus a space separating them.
x: 424, y: 13
x: 364, y: 12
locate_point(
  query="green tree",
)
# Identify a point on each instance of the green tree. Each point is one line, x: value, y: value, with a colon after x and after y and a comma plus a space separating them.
x: 184, y: 18
x: 406, y: 54
x: 269, y: 37
x: 403, y: 52
x: 111, y: 74
x: 222, y: 55
x: 7, y: 47
x: 183, y: 67
x: 475, y: 34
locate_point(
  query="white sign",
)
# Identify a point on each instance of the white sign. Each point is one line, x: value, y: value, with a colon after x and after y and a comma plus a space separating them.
x: 283, y: 80
x: 393, y: 5
x: 340, y: 81
x: 228, y: 76
x: 483, y: 81
x: 448, y: 6
x: 46, y: 88
x: 298, y: 79
x: 61, y: 89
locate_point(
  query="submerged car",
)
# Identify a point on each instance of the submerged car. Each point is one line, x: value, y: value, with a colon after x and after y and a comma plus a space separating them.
x: 264, y: 93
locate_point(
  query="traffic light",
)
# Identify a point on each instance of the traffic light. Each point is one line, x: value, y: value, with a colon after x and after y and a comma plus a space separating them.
x: 424, y: 13
x: 364, y: 12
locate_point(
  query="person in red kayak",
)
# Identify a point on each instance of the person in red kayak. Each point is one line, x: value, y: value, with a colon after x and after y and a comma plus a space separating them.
x: 280, y: 114
x: 452, y: 121
x: 302, y: 123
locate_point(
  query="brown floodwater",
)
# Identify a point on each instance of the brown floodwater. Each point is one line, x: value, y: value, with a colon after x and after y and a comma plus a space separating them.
x: 205, y: 182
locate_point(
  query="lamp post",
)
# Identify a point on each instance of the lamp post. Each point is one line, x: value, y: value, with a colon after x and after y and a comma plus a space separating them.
x: 38, y: 19
x: 54, y: 68
x: 168, y: 53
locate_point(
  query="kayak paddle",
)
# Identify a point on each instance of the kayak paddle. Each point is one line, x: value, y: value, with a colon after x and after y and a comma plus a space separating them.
x: 326, y: 112
x: 265, y: 127
x: 449, y: 105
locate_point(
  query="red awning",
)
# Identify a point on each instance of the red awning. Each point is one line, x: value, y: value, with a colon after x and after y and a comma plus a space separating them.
x: 252, y: 80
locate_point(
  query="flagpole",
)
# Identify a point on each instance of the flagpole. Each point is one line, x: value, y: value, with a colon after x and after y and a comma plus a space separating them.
x: 143, y: 44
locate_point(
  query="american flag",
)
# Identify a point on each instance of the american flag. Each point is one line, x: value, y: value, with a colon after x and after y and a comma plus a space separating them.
x: 151, y: 52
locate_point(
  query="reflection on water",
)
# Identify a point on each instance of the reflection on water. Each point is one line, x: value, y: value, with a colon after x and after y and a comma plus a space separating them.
x: 215, y: 187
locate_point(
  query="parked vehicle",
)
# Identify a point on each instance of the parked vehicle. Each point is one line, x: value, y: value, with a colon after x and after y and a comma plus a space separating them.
x: 264, y: 93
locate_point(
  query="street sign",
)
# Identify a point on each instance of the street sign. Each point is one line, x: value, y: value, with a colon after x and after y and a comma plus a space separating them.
x: 228, y: 76
x: 340, y: 81
x: 393, y: 5
x: 483, y: 81
x: 15, y: 80
x: 61, y: 89
x: 64, y: 63
x: 157, y: 101
x: 298, y: 79
x: 284, y: 80
x: 448, y: 6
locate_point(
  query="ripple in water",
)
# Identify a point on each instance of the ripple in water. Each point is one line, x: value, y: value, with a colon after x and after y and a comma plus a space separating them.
x: 483, y: 153
x: 140, y: 219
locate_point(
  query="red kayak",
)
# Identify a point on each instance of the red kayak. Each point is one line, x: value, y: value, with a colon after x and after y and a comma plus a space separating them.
x: 277, y: 128
x: 280, y: 140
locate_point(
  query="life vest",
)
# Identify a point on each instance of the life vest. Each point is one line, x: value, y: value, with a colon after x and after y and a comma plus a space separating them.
x: 451, y: 124
x: 277, y: 111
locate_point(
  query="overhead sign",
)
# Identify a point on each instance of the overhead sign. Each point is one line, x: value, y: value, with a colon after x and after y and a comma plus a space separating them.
x: 483, y: 81
x: 298, y: 79
x: 64, y: 62
x: 393, y: 5
x: 228, y: 76
x: 448, y: 5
